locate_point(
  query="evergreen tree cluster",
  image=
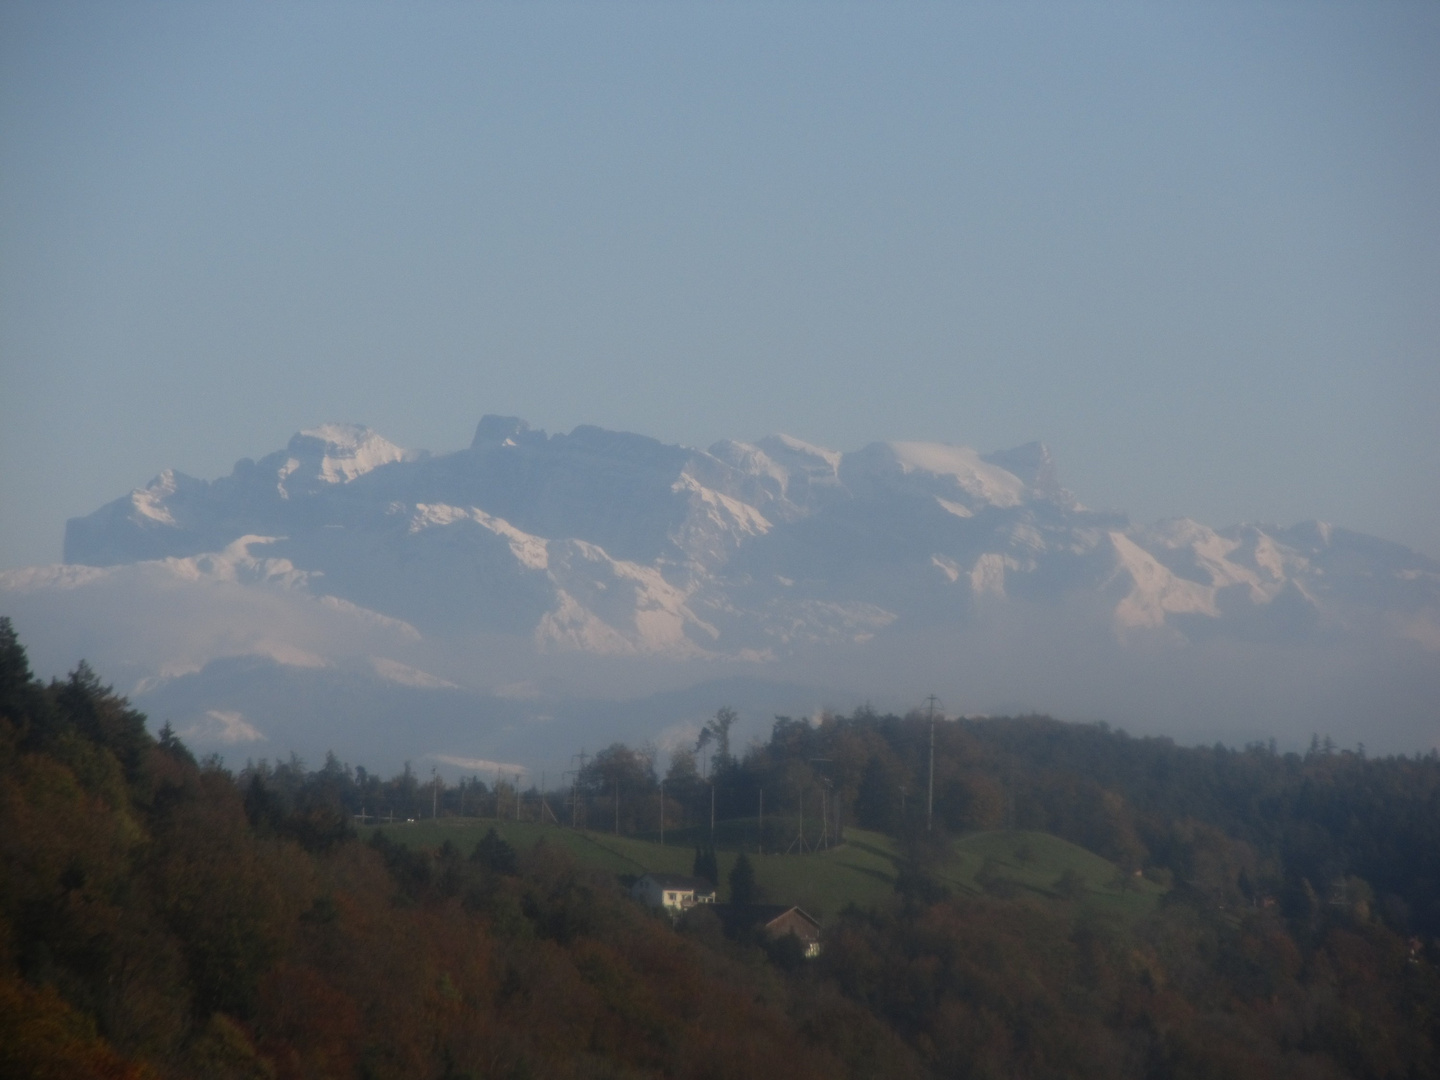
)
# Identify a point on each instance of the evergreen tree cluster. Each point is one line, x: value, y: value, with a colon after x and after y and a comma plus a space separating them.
x: 706, y: 866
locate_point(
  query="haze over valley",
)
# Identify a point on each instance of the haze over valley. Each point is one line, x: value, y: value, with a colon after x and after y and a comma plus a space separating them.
x: 500, y: 602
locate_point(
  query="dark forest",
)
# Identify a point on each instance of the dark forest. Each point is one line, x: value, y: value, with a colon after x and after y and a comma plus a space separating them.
x: 167, y: 917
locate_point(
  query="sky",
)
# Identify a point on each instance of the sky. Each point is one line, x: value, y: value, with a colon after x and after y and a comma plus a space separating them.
x: 1195, y: 247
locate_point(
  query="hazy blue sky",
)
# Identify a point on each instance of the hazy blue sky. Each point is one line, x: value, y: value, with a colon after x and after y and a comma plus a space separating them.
x: 1194, y: 248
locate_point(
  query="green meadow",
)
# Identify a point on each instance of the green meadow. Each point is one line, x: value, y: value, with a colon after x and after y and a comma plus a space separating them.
x: 860, y: 871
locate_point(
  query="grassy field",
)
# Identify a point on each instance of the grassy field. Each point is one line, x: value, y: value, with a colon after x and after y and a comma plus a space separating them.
x: 1033, y: 862
x: 861, y: 871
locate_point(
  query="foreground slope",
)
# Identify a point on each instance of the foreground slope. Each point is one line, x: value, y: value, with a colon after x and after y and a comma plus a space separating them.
x: 163, y: 918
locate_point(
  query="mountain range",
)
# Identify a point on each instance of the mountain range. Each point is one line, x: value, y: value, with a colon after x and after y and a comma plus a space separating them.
x: 534, y: 571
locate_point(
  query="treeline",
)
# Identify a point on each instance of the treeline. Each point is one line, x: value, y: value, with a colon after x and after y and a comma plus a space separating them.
x: 1236, y: 828
x: 1248, y: 827
x: 163, y: 917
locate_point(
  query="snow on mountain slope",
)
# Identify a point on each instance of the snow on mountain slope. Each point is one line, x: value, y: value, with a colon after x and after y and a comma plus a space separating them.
x: 331, y: 454
x: 715, y: 524
x: 1200, y: 554
x: 811, y: 472
x: 163, y: 518
x: 1151, y: 591
x: 955, y: 473
x: 179, y: 515
x: 799, y: 456
x: 531, y: 552
x: 609, y: 606
x: 987, y: 576
x: 971, y: 473
x: 1034, y: 464
x: 780, y: 475
x: 617, y: 544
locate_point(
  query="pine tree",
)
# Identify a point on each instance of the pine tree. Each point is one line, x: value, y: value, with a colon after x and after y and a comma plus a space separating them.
x: 706, y: 865
x: 743, y: 889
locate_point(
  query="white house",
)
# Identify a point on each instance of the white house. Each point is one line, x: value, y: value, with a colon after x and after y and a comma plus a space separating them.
x: 673, y: 892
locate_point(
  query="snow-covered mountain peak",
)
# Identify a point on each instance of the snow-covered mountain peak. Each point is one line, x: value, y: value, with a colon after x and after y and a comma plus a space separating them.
x: 338, y: 453
x: 750, y: 461
x: 795, y: 453
x: 784, y: 469
x: 933, y: 469
x: 149, y: 501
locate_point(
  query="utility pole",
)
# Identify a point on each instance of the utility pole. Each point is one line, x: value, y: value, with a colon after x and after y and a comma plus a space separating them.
x: 930, y: 793
x: 800, y: 833
x: 575, y: 790
x: 435, y: 793
x: 578, y: 773
x: 712, y: 813
x: 662, y: 813
x: 824, y: 814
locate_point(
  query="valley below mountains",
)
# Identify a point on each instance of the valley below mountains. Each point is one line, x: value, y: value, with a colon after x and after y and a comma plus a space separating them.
x: 484, y: 605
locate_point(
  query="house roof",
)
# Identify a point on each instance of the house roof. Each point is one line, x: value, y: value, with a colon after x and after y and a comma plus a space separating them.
x: 738, y: 916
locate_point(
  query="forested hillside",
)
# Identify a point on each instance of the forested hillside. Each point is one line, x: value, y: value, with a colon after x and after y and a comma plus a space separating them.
x: 166, y: 917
